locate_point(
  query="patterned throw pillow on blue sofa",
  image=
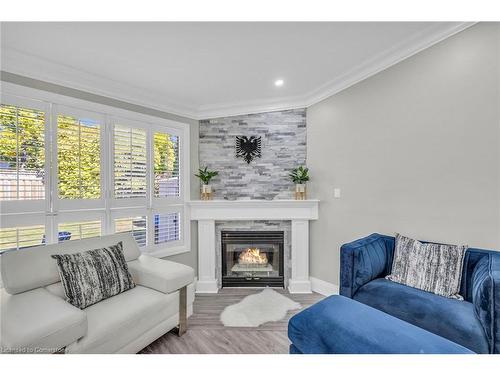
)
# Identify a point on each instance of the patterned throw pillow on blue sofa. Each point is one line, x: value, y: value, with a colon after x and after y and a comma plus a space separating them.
x: 435, y: 268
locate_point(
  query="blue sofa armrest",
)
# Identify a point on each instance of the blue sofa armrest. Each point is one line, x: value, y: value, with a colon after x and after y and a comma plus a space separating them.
x: 364, y: 260
x: 486, y: 298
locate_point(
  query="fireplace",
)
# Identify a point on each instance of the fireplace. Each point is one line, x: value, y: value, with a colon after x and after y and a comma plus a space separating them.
x: 252, y: 258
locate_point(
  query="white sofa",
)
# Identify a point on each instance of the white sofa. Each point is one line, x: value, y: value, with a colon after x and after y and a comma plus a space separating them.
x: 35, y: 317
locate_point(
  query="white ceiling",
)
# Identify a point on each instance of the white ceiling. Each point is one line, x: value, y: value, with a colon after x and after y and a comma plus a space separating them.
x: 215, y: 69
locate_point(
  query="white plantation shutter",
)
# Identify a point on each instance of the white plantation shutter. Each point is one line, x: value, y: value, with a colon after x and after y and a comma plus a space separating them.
x: 130, y: 162
x: 71, y: 169
x: 19, y: 237
x: 78, y: 154
x: 22, y: 153
x: 166, y: 165
x: 79, y: 230
x: 135, y: 225
x: 167, y: 227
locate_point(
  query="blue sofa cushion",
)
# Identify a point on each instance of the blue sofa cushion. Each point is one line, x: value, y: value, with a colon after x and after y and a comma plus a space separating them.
x: 452, y: 319
x: 484, y: 287
x: 341, y: 325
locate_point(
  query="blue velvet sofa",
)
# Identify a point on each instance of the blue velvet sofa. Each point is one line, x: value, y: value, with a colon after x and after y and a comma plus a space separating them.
x: 473, y: 323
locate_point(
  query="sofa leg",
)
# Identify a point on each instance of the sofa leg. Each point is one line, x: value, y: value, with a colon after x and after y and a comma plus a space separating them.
x: 182, y: 311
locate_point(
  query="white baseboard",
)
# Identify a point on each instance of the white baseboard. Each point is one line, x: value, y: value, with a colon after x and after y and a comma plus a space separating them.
x: 316, y: 285
x: 299, y: 286
x: 323, y: 287
x: 206, y: 286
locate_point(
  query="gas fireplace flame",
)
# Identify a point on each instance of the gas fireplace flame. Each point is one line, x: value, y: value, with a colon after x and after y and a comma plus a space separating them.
x: 252, y: 256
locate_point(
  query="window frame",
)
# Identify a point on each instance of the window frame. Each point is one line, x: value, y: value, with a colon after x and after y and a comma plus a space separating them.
x: 30, y: 205
x: 131, y: 213
x: 166, y: 200
x: 57, y: 211
x: 69, y: 217
x: 77, y: 204
x: 128, y: 202
x: 162, y: 211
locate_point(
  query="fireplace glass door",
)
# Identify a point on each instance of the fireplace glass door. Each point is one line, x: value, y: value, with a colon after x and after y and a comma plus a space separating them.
x: 252, y: 258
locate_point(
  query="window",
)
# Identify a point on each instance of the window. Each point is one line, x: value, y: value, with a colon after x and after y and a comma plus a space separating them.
x: 166, y: 165
x: 167, y: 228
x: 21, y: 237
x: 130, y: 162
x: 79, y: 230
x: 22, y: 153
x: 70, y: 169
x: 134, y: 225
x: 78, y: 158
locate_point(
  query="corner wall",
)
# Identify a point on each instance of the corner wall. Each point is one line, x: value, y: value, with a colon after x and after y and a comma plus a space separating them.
x: 414, y: 149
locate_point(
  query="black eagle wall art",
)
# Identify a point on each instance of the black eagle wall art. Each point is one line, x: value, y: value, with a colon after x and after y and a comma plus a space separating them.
x: 248, y: 148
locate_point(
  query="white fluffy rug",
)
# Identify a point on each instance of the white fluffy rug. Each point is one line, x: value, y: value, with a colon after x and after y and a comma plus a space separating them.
x: 256, y: 309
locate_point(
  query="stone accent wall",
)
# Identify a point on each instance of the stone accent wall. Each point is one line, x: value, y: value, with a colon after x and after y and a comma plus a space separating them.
x: 283, y: 148
x: 255, y: 225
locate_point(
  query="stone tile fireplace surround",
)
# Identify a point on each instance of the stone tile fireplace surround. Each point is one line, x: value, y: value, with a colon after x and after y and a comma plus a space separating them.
x: 283, y: 135
x: 255, y: 196
x: 291, y: 216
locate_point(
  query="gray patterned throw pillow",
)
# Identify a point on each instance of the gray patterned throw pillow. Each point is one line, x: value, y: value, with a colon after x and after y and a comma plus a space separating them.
x: 432, y: 267
x: 94, y: 275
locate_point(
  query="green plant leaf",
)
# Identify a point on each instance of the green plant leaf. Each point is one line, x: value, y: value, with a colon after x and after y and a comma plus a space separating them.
x: 205, y: 175
x: 299, y: 175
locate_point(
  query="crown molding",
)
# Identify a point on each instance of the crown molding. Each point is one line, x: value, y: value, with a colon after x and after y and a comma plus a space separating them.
x: 17, y: 62
x: 384, y: 60
x: 417, y: 43
x: 20, y: 63
x: 244, y: 108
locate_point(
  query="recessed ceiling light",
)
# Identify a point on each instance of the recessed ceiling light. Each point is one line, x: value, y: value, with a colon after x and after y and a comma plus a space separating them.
x: 279, y: 82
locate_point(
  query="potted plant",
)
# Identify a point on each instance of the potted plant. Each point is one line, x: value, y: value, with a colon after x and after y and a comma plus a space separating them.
x: 300, y: 176
x: 205, y: 176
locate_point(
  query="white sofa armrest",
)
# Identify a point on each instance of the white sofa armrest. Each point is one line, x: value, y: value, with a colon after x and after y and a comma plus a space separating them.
x: 160, y: 274
x: 38, y: 322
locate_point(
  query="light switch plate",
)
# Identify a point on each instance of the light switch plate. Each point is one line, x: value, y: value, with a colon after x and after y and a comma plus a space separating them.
x: 336, y: 192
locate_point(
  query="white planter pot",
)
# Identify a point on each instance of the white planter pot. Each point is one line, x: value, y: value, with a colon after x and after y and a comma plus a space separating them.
x: 206, y: 189
x: 300, y: 188
x: 300, y: 191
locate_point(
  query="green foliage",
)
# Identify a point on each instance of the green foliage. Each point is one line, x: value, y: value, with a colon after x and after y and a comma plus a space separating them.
x: 22, y: 129
x: 164, y: 154
x: 78, y: 157
x: 166, y: 162
x: 299, y: 175
x: 205, y: 175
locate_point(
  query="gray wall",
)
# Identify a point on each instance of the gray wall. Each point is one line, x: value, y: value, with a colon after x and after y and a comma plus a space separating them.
x: 414, y: 149
x: 190, y: 258
x: 283, y: 137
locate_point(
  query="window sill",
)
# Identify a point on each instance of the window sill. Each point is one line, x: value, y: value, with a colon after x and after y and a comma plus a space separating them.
x: 167, y: 251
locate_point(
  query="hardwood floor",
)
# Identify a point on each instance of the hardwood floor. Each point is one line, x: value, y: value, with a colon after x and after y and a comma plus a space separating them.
x: 207, y: 335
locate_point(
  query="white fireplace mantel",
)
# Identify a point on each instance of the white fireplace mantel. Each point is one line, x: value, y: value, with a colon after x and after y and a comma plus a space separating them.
x: 299, y: 212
